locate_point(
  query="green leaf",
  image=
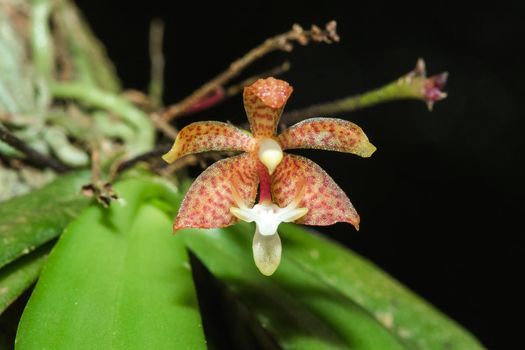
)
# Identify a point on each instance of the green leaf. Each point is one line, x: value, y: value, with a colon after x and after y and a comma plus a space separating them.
x: 325, y: 296
x: 121, y: 275
x: 117, y: 279
x: 417, y: 323
x: 16, y: 277
x: 296, y: 308
x: 37, y: 217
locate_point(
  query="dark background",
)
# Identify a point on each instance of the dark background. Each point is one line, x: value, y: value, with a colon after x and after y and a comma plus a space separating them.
x: 441, y: 201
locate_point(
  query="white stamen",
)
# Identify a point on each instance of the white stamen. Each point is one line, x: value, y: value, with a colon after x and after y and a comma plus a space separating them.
x: 270, y: 154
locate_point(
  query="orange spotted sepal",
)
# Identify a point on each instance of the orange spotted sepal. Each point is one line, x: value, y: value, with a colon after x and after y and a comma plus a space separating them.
x: 327, y: 134
x: 209, y: 136
x: 264, y: 101
x: 222, y: 186
x: 325, y: 201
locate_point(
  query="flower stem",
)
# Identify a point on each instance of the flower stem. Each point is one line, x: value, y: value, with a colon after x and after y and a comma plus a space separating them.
x: 413, y: 85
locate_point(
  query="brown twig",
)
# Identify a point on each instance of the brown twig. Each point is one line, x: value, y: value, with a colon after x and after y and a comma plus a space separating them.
x: 154, y: 153
x: 146, y: 104
x: 163, y: 126
x: 96, y: 171
x: 99, y: 189
x: 275, y: 71
x: 32, y: 155
x: 192, y: 160
x: 156, y: 85
x: 189, y: 160
x: 282, y: 42
x: 220, y: 95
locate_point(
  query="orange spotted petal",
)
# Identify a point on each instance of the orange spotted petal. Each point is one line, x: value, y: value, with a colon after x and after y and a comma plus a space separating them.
x: 209, y: 136
x: 328, y: 134
x: 264, y: 101
x: 209, y: 199
x: 326, y: 202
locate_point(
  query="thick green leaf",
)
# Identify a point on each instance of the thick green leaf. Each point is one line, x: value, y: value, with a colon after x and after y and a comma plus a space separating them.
x: 325, y: 296
x: 37, y: 217
x: 418, y: 323
x: 297, y: 308
x: 16, y: 277
x: 117, y: 279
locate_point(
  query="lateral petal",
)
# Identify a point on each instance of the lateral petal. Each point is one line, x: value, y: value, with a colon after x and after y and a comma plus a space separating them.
x: 220, y: 187
x: 264, y: 101
x: 209, y: 136
x: 326, y: 202
x: 327, y: 134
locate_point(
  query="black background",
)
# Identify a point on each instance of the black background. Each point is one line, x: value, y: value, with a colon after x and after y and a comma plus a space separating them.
x: 441, y: 201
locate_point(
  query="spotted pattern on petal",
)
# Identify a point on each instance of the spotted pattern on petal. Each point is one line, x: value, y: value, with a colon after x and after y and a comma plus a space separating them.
x: 264, y: 101
x: 326, y: 202
x: 209, y: 199
x: 327, y: 134
x: 209, y: 136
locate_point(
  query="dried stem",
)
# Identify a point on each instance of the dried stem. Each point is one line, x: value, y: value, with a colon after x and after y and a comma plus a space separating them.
x: 282, y: 42
x: 237, y: 88
x: 155, y: 153
x: 220, y: 94
x: 189, y: 160
x: 32, y: 155
x: 96, y: 170
x: 156, y: 85
x: 413, y: 85
x: 164, y: 126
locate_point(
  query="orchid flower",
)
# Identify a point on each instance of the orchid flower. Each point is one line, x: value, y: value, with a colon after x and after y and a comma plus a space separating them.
x: 291, y: 188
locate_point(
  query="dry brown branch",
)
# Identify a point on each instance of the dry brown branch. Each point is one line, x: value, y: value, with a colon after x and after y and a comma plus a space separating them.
x: 144, y: 157
x: 192, y: 160
x: 139, y: 99
x: 164, y: 126
x: 237, y: 88
x: 145, y: 103
x: 220, y: 95
x: 156, y: 85
x: 282, y: 42
x: 189, y: 160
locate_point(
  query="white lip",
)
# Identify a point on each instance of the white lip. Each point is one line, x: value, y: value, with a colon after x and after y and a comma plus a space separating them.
x: 266, y: 252
x: 268, y: 216
x: 266, y: 242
